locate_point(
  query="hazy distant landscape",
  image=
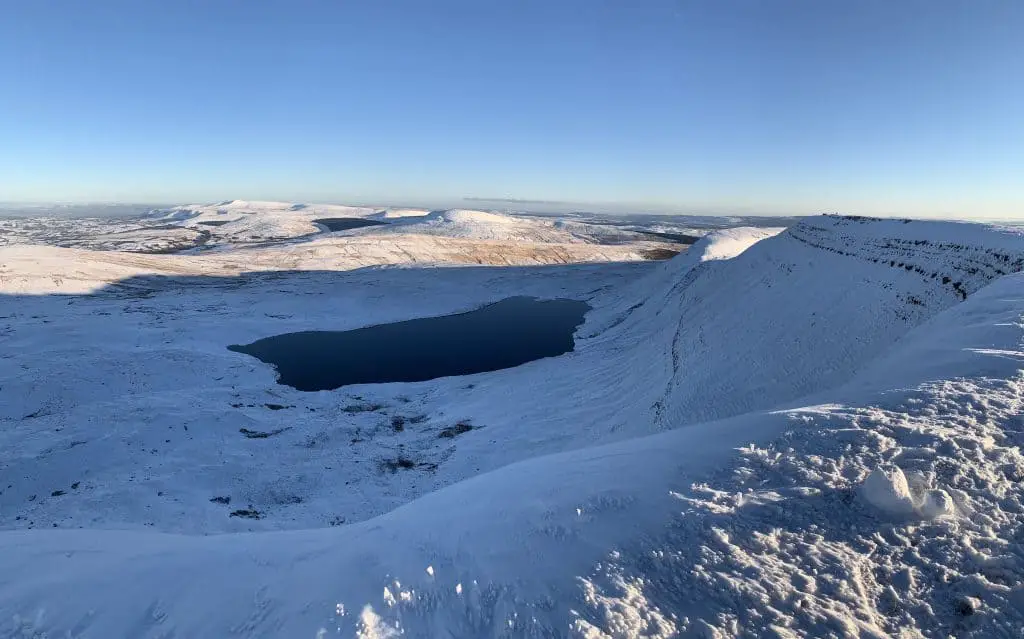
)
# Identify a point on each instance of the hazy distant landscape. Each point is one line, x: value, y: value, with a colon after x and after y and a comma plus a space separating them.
x: 100, y: 226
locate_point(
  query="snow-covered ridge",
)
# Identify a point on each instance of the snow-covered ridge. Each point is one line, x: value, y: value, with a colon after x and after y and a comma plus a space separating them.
x: 796, y: 313
x: 964, y: 257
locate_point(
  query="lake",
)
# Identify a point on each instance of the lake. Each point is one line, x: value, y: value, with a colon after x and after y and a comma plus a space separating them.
x: 508, y: 333
x: 346, y: 223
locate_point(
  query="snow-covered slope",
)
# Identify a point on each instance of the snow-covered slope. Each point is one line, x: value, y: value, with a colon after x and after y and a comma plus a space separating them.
x: 44, y: 269
x: 802, y: 311
x: 595, y: 494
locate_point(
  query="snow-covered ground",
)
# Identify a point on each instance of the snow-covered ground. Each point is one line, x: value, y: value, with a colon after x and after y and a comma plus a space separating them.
x: 112, y: 234
x: 812, y: 432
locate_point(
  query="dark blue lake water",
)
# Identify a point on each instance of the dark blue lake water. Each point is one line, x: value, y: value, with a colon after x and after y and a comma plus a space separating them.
x: 502, y: 335
x: 346, y: 223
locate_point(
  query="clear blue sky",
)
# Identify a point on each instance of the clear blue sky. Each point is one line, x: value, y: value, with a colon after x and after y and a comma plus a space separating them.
x: 758, y: 106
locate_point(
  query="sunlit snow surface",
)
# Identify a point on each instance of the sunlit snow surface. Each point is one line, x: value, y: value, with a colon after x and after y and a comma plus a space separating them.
x: 697, y: 466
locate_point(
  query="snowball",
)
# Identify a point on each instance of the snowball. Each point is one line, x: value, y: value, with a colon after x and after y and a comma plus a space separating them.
x: 937, y: 503
x: 888, y: 491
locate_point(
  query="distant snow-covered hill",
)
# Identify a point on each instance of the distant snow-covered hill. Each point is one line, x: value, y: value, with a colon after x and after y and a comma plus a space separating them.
x: 245, y: 222
x: 482, y: 225
x: 242, y: 222
x: 237, y: 224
